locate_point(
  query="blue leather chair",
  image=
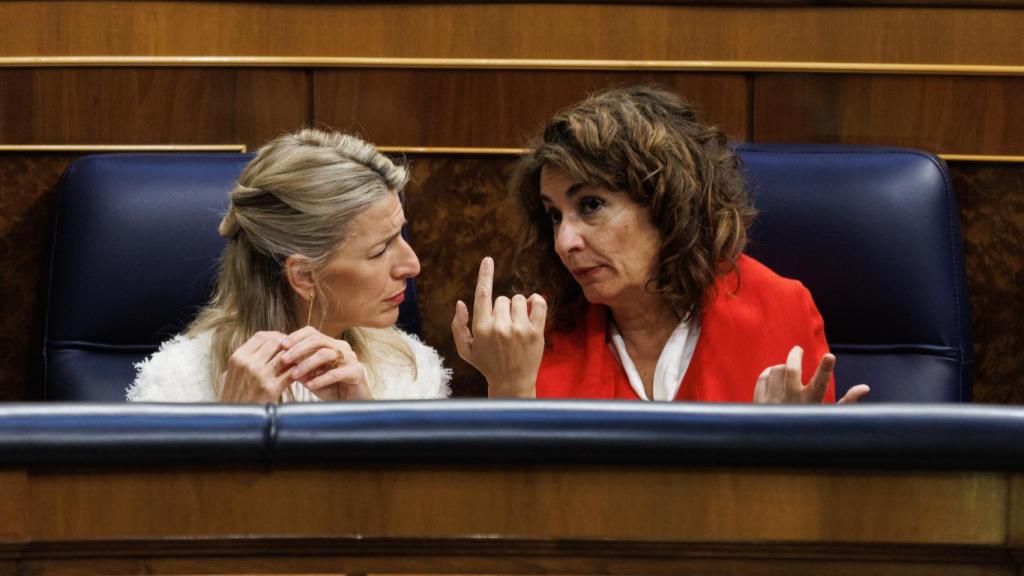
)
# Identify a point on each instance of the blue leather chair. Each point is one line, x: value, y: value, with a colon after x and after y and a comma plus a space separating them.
x: 135, y: 254
x: 874, y: 235
x: 872, y: 232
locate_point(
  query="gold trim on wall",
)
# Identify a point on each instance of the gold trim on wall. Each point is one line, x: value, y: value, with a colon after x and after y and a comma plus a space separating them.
x: 980, y: 158
x: 123, y: 148
x: 508, y: 64
x: 418, y: 150
x: 424, y: 150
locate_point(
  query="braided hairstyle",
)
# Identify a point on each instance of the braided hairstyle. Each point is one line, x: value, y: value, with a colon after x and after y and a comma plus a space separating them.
x: 299, y: 195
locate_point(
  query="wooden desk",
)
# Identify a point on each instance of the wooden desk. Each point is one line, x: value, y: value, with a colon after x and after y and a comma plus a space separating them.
x: 510, y: 520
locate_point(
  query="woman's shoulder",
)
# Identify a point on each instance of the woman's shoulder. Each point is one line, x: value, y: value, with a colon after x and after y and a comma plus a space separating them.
x: 754, y: 276
x: 759, y: 295
x: 178, y: 372
x: 427, y: 379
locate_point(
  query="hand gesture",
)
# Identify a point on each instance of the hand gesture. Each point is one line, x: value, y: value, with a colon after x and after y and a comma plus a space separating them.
x: 783, y: 384
x: 255, y: 372
x: 326, y: 366
x: 506, y: 341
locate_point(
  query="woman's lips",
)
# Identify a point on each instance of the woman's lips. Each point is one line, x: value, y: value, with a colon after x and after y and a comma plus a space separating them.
x: 585, y: 272
x: 397, y: 298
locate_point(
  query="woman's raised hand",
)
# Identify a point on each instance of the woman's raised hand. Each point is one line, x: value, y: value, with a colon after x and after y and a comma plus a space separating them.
x: 506, y: 341
x: 255, y: 372
x: 326, y: 366
x: 783, y: 383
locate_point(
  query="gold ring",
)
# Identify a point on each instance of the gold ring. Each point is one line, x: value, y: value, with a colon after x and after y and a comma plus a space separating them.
x: 339, y: 360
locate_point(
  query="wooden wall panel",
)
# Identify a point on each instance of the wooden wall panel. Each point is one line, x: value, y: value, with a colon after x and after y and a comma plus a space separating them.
x: 370, y: 557
x: 151, y: 106
x: 497, y: 107
x: 945, y: 114
x: 552, y: 503
x: 629, y: 31
x: 458, y: 213
x: 13, y: 506
x: 534, y: 519
x: 991, y: 202
x: 494, y: 108
x: 27, y: 197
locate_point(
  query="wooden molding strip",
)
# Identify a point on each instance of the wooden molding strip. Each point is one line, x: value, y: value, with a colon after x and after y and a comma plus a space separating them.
x: 123, y: 148
x: 490, y: 550
x: 980, y: 158
x: 415, y: 150
x: 508, y: 64
x: 426, y: 150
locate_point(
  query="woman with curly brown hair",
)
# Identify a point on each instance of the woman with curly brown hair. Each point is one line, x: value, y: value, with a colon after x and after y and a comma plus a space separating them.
x: 636, y: 219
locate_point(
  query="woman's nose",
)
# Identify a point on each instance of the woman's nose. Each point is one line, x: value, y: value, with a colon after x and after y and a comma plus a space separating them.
x: 567, y: 239
x: 408, y: 263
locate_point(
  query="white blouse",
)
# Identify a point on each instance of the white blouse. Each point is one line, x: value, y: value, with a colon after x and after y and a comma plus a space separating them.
x: 180, y: 372
x: 672, y: 363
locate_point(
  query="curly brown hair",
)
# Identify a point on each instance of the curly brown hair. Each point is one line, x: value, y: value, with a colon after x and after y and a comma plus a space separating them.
x: 648, y: 143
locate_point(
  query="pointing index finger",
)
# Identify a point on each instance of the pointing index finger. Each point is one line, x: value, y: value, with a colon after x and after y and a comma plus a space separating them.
x: 484, y: 287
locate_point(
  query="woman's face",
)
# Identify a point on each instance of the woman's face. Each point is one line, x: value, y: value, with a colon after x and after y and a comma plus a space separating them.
x: 604, y: 238
x: 365, y: 279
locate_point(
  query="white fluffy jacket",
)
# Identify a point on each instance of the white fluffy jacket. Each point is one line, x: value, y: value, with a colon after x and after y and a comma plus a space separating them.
x: 180, y: 372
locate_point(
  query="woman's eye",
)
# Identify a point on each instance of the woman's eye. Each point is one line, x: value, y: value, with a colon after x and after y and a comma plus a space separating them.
x: 555, y: 216
x: 381, y: 253
x: 590, y: 204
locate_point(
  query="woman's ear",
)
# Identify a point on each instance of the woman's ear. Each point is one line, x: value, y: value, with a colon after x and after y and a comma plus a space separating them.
x: 300, y: 276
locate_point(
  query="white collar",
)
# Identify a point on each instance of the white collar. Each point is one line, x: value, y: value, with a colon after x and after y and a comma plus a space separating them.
x: 672, y: 363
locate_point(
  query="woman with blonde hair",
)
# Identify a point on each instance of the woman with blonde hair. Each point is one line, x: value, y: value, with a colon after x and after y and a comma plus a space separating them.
x: 308, y: 289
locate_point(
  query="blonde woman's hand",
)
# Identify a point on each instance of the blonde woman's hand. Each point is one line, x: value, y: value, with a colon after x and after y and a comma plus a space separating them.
x: 255, y: 372
x: 326, y: 366
x: 506, y: 341
x: 783, y: 383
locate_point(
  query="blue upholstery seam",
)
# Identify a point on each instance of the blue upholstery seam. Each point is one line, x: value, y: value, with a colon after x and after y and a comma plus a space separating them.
x: 902, y: 349
x: 83, y: 345
x: 950, y: 211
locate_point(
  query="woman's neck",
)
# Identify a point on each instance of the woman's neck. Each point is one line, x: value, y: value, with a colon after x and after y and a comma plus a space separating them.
x: 645, y: 328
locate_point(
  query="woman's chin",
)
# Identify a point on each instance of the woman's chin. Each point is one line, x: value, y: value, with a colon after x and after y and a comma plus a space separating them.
x: 385, y: 320
x: 596, y: 296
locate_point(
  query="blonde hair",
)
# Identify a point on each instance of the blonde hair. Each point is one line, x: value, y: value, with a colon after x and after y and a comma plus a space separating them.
x: 299, y: 195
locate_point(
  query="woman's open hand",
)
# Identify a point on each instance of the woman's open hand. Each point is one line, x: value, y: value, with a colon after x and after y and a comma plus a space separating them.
x: 326, y: 366
x: 783, y: 383
x: 255, y: 372
x: 506, y: 341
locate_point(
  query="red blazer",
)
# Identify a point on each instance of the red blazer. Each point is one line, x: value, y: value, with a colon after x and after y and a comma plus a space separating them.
x: 752, y: 324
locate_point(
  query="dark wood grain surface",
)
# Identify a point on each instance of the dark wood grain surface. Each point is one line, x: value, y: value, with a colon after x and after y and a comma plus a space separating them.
x: 973, y: 112
x: 28, y: 185
x: 495, y: 108
x: 951, y: 115
x: 510, y: 520
x: 150, y: 106
x: 991, y: 202
x: 626, y: 31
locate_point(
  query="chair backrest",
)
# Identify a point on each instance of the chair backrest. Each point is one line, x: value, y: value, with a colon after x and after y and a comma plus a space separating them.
x: 135, y: 255
x: 873, y: 233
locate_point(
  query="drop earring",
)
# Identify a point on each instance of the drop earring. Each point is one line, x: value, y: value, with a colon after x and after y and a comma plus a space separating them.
x: 309, y: 315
